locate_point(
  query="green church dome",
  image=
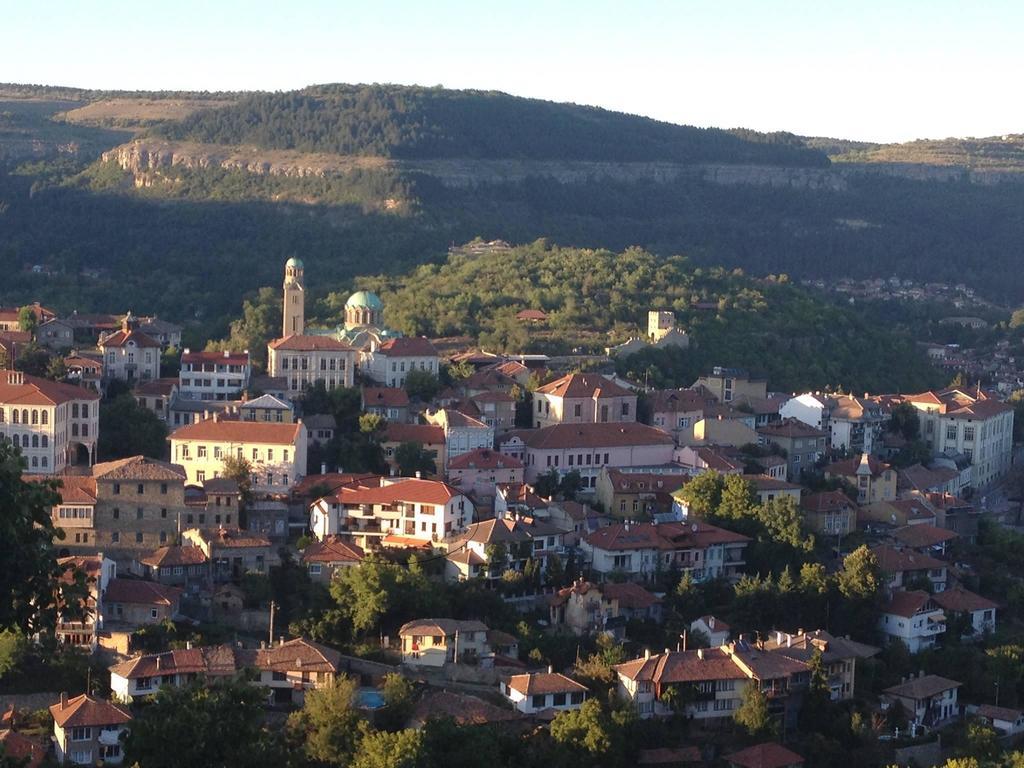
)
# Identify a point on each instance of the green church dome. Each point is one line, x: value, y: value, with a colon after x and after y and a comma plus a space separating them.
x: 294, y: 262
x: 367, y: 299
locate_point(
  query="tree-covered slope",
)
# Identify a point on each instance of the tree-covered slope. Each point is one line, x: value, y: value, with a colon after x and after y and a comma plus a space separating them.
x: 597, y: 297
x: 422, y: 123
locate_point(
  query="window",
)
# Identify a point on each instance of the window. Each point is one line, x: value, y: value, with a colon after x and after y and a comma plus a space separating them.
x: 116, y: 513
x: 558, y: 700
x: 200, y: 476
x: 969, y: 434
x: 141, y: 489
x: 625, y: 408
x: 152, y: 613
x: 951, y: 432
x: 117, y: 489
x: 163, y: 490
x: 314, y: 569
x: 115, y: 537
x: 163, y: 537
x: 576, y: 697
x: 139, y: 513
x: 539, y: 700
x: 138, y: 537
x: 201, y: 452
x: 81, y: 734
x: 577, y: 410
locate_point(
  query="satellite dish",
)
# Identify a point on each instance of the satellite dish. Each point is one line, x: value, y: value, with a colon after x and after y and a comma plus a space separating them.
x: 694, y: 527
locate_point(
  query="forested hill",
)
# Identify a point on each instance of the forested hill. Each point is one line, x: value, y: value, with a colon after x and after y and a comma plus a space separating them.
x: 406, y: 122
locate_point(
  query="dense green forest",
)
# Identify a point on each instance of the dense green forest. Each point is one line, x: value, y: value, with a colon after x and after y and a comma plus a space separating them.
x: 417, y: 123
x: 597, y: 297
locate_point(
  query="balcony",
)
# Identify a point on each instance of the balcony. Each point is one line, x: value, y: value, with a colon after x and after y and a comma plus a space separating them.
x: 110, y: 737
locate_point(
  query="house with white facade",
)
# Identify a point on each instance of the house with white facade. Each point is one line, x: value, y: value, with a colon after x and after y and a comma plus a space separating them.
x: 129, y: 354
x: 389, y: 363
x: 489, y: 548
x: 89, y: 730
x: 144, y: 675
x: 913, y: 618
x: 437, y: 642
x: 583, y: 398
x: 537, y: 692
x: 927, y: 700
x: 214, y: 375
x: 957, y: 602
x: 462, y: 433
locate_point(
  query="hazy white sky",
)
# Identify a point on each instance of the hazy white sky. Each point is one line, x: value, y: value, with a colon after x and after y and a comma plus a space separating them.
x: 887, y: 71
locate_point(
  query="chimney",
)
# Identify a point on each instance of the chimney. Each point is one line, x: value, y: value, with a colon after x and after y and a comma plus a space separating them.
x: 323, y: 468
x: 187, y: 351
x: 63, y: 699
x: 188, y: 645
x: 226, y: 353
x: 281, y: 640
x: 158, y: 661
x: 419, y: 475
x: 711, y: 623
x: 551, y: 670
x: 647, y: 653
x: 700, y: 654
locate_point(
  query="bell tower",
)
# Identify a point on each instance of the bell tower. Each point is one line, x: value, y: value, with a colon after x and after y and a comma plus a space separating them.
x: 294, y: 307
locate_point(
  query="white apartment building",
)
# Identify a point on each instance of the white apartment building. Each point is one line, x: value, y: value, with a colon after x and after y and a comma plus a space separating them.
x: 389, y: 363
x: 213, y: 375
x: 303, y: 361
x: 54, y: 424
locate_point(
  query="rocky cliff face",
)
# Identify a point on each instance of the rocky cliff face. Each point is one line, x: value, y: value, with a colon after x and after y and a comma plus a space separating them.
x: 145, y: 158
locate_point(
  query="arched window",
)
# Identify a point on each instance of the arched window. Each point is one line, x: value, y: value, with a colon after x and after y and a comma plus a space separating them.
x: 35, y: 441
x: 44, y: 461
x: 45, y: 417
x: 1, y: 415
x: 46, y: 441
x: 24, y: 415
x: 35, y: 416
x: 24, y: 441
x: 14, y: 416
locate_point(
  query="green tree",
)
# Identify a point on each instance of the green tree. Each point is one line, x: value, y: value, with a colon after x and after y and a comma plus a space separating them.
x: 380, y: 593
x: 422, y: 385
x: 259, y: 323
x: 860, y: 577
x: 28, y: 566
x: 327, y: 726
x: 381, y: 749
x: 589, y: 733
x: 195, y: 719
x: 737, y: 501
x: 905, y: 421
x: 752, y: 715
x: 398, y: 700
x: 412, y: 458
x: 570, y: 485
x: 239, y: 469
x: 703, y: 494
x: 13, y: 647
x: 56, y: 370
x: 27, y: 320
x: 128, y: 429
x: 372, y: 424
x: 547, y: 485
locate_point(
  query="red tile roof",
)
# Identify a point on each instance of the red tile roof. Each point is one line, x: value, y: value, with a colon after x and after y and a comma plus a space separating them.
x: 388, y: 397
x: 460, y: 707
x: 536, y: 683
x: 484, y: 458
x: 629, y: 595
x: 789, y: 428
x: 332, y: 550
x: 166, y: 557
x: 84, y: 710
x: 634, y: 482
x: 909, y: 604
x: 140, y: 592
x: 584, y: 385
x: 849, y: 467
x: 75, y: 489
x: 407, y: 490
x: 298, y: 654
x: 138, y: 468
x: 408, y: 346
x: 234, y: 431
x: 663, y: 536
x: 892, y: 560
x: 826, y: 501
x: 427, y: 434
x: 606, y: 435
x: 19, y: 747
x: 959, y: 600
x: 767, y: 755
x: 217, y: 358
x: 211, y: 660
x: 531, y: 314
x: 155, y: 387
x: 332, y: 481
x: 121, y: 339
x: 923, y: 535
x: 302, y: 343
x: 18, y: 389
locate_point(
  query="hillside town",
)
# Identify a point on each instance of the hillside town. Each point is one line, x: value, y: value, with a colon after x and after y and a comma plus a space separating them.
x: 747, y: 577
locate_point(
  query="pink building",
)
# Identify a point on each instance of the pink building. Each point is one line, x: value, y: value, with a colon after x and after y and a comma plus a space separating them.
x: 583, y: 398
x: 479, y: 471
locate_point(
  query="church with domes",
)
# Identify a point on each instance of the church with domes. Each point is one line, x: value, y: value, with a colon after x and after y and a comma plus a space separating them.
x: 364, y: 321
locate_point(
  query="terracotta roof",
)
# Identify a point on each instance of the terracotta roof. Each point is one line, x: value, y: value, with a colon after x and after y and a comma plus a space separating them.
x: 680, y: 400
x: 849, y: 467
x: 484, y: 458
x: 923, y: 535
x: 629, y: 595
x: 233, y: 431
x: 493, y: 397
x: 75, y: 489
x: 767, y: 755
x: 19, y: 389
x: 607, y: 435
x: 584, y: 385
x: 166, y: 557
x: 388, y: 397
x: 460, y: 707
x: 217, y: 358
x: 645, y: 481
x: 427, y: 434
x: 84, y: 710
x: 210, y: 660
x: 663, y: 536
x: 913, y: 509
x: 908, y: 604
x: 332, y: 481
x: 531, y: 314
x: 826, y: 501
x: 19, y: 747
x: 140, y: 592
x: 303, y: 343
x: 332, y: 550
x: 495, y: 531
x: 228, y: 539
x: 789, y: 428
x: 404, y: 489
x: 445, y: 627
x: 959, y: 600
x: 138, y: 468
x: 298, y: 654
x: 922, y: 687
x: 155, y: 387
x: 713, y: 459
x: 990, y: 712
x: 714, y: 623
x: 892, y: 560
x: 408, y: 346
x: 85, y: 363
x: 18, y: 337
x: 683, y: 667
x: 536, y: 683
x: 266, y: 402
x: 123, y: 338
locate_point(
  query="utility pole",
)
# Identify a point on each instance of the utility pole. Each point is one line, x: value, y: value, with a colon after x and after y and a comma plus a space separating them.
x: 273, y: 605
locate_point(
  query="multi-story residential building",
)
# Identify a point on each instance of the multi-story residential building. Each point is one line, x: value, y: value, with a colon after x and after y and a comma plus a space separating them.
x: 677, y: 410
x: 79, y: 625
x: 768, y: 488
x: 268, y: 409
x: 829, y: 513
x: 168, y: 334
x: 291, y: 668
x: 490, y: 548
x: 979, y: 611
x: 55, y: 334
x: 639, y: 550
x: 88, y: 730
x: 129, y: 354
x: 582, y: 398
x: 177, y: 566
x: 233, y: 553
x: 398, y: 511
x: 143, y: 676
x: 479, y: 472
x: 133, y: 603
x: 636, y: 495
x: 462, y: 433
x: 587, y: 448
x: 156, y: 395
x: 727, y: 384
x: 722, y: 426
x: 276, y: 452
x: 124, y: 507
x: 856, y: 423
x: 927, y: 700
x: 214, y: 375
x: 539, y: 691
x: 802, y: 443
x: 812, y: 408
x: 495, y: 409
x: 438, y: 642
x: 323, y: 558
x: 10, y: 320
x: 55, y: 424
x: 391, y: 403
x: 902, y: 568
x: 389, y: 363
x: 874, y: 480
x: 429, y: 437
x: 955, y: 422
x: 586, y: 608
x: 913, y: 618
x: 307, y: 360
x: 839, y: 655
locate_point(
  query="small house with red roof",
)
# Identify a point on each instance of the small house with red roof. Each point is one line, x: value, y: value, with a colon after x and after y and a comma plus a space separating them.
x: 429, y: 437
x: 214, y: 375
x: 582, y: 398
x: 585, y: 607
x: 767, y: 755
x: 829, y: 513
x: 323, y: 558
x: 176, y: 566
x: 129, y: 354
x: 914, y: 618
x: 89, y: 730
x: 391, y: 403
x: 480, y: 471
x: 980, y: 611
x: 549, y: 692
x: 874, y: 480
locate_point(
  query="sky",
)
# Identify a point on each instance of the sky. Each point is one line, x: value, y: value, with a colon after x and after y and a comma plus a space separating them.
x: 876, y: 71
